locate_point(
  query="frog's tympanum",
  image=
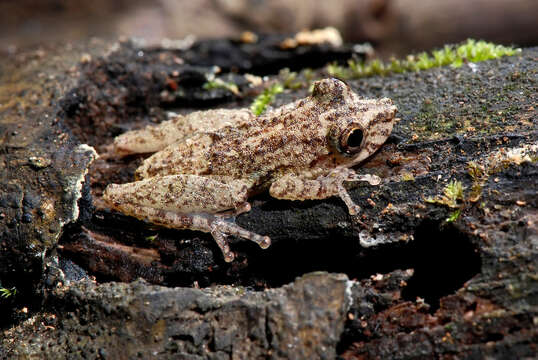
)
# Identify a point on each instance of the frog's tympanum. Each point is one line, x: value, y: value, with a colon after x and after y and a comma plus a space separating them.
x: 208, y: 163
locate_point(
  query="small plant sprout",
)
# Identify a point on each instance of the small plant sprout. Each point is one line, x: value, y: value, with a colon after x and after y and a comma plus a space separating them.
x: 451, y: 194
x: 260, y: 103
x: 289, y: 79
x: 454, y: 192
x: 454, y: 216
x: 221, y: 84
x: 151, y: 238
x: 408, y: 176
x: 479, y: 175
x: 338, y: 71
x: 5, y: 292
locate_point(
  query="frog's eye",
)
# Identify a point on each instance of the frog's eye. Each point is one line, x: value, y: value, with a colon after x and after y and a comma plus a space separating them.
x: 351, y: 140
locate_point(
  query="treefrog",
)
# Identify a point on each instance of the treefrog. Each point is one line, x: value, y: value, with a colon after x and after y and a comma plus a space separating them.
x: 207, y: 164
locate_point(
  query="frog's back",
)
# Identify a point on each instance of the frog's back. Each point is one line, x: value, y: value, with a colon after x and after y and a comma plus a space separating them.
x: 186, y: 157
x: 285, y: 139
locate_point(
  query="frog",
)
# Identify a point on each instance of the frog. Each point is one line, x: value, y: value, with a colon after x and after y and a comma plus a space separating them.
x: 206, y: 165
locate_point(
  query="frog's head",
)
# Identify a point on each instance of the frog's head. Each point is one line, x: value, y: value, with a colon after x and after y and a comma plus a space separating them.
x: 357, y: 127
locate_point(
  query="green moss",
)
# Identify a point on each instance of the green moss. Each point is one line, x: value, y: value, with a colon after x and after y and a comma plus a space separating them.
x: 479, y: 175
x: 5, y: 292
x: 452, y: 193
x: 294, y: 81
x: 452, y: 197
x: 309, y: 75
x: 455, y: 56
x: 428, y: 116
x: 407, y: 176
x: 151, y: 238
x: 220, y: 84
x: 261, y: 102
x: 290, y: 79
x: 454, y: 216
x: 338, y: 71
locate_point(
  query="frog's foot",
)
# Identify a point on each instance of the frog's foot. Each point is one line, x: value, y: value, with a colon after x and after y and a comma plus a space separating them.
x: 350, y: 175
x: 220, y: 229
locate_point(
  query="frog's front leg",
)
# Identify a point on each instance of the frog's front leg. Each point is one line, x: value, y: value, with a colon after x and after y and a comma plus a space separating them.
x: 294, y: 187
x: 186, y: 202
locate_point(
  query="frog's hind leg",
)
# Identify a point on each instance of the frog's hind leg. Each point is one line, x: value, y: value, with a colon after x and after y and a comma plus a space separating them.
x: 187, y: 202
x: 219, y: 227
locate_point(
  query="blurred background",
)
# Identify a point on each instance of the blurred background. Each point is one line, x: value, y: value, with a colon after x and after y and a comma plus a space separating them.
x: 394, y: 27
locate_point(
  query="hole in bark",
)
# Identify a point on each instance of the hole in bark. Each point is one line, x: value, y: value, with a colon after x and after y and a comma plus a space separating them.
x: 442, y: 256
x: 494, y: 337
x: 444, y: 259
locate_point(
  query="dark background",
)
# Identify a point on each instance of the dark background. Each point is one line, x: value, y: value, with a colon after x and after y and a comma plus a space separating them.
x: 394, y: 27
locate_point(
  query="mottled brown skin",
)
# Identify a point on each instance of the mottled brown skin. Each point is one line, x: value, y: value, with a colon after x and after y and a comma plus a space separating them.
x: 300, y: 151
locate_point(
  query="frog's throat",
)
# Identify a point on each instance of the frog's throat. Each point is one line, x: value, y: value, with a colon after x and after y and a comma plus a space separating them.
x: 360, y: 157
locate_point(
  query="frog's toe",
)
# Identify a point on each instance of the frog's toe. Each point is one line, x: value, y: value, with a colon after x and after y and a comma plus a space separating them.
x: 371, y: 179
x: 222, y: 242
x: 265, y: 242
x: 229, y: 256
x: 354, y: 209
